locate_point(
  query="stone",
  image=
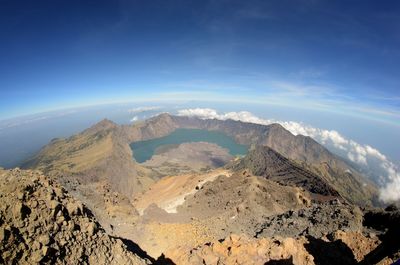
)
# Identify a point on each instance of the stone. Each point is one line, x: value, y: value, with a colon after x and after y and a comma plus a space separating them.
x: 56, y: 227
x: 37, y: 256
x: 91, y: 228
x: 45, y: 250
x: 44, y: 240
x: 54, y: 204
x: 70, y: 227
x: 20, y: 195
x: 62, y: 242
x: 60, y: 220
x: 34, y: 204
x: 20, y: 211
x: 3, y: 234
x: 17, y: 210
x: 59, y: 192
x: 36, y: 245
x: 75, y: 208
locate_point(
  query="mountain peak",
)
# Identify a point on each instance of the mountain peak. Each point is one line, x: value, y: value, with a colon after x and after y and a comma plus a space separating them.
x: 106, y: 122
x: 162, y: 116
x: 266, y: 162
x: 103, y: 125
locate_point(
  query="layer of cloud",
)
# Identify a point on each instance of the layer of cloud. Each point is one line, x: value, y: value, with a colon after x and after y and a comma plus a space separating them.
x: 367, y: 157
x: 143, y: 109
x: 140, y: 113
x: 15, y: 122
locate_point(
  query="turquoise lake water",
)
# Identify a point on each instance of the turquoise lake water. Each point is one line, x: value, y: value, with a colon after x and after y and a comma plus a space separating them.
x: 144, y: 150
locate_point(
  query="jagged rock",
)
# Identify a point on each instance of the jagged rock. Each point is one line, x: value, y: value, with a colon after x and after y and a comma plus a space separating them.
x: 44, y: 240
x: 244, y: 250
x: 32, y: 235
x: 317, y: 221
x: 20, y: 196
x: 2, y: 234
x: 37, y: 256
x: 91, y: 228
x: 20, y: 211
x: 34, y: 204
x: 75, y: 208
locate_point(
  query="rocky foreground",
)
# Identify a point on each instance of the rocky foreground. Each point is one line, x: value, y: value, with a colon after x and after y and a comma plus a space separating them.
x: 40, y: 222
x: 341, y: 248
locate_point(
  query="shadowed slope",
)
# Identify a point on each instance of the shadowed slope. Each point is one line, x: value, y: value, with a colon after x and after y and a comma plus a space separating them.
x: 263, y: 161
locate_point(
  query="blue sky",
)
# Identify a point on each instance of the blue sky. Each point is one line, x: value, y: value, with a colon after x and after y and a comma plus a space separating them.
x: 334, y: 56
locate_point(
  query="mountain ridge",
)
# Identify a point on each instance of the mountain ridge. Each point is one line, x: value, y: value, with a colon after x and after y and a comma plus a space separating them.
x: 298, y: 148
x: 264, y: 161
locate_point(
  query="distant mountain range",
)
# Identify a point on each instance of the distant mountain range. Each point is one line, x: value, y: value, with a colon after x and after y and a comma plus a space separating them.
x: 285, y: 186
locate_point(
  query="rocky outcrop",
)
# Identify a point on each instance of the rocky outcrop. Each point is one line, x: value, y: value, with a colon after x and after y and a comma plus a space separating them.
x: 237, y: 249
x: 347, y: 248
x: 41, y: 223
x: 317, y: 221
x: 194, y: 209
x: 264, y: 161
x: 387, y: 222
x: 240, y: 203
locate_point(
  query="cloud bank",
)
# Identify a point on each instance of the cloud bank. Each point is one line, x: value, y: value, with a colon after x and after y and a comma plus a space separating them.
x: 366, y: 157
x: 140, y: 113
x: 143, y: 109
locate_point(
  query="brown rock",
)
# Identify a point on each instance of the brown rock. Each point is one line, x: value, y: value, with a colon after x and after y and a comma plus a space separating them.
x: 54, y: 204
x: 357, y: 242
x: 34, y: 204
x: 59, y: 192
x: 62, y: 242
x: 3, y: 233
x: 243, y: 250
x: 20, y: 195
x: 36, y: 245
x: 45, y: 250
x: 75, y: 208
x: 20, y: 211
x: 44, y: 240
x: 91, y: 228
x: 37, y: 256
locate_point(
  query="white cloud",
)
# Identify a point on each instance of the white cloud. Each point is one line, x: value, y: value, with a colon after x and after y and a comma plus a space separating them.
x: 363, y: 155
x: 139, y: 112
x: 201, y: 113
x: 391, y: 188
x: 376, y: 153
x: 143, y: 109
